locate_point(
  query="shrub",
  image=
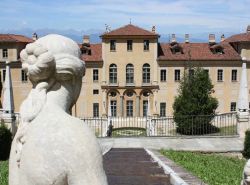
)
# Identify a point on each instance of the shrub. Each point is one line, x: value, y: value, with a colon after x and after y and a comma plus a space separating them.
x: 194, y: 107
x: 5, y: 142
x: 246, y: 150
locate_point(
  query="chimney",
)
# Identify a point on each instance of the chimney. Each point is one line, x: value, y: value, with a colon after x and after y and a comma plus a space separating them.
x: 186, y: 38
x: 34, y: 37
x: 211, y: 38
x: 153, y: 29
x: 86, y: 40
x: 222, y: 38
x: 173, y: 38
x: 248, y: 29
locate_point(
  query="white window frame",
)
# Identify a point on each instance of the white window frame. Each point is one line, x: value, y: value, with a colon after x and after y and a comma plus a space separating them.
x: 5, y: 53
x: 177, y: 78
x: 220, y: 76
x: 234, y: 75
x: 95, y: 75
x: 95, y: 109
x: 162, y: 78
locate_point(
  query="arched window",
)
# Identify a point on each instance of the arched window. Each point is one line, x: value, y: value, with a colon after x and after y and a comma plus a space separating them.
x: 146, y: 73
x: 113, y: 74
x: 130, y: 74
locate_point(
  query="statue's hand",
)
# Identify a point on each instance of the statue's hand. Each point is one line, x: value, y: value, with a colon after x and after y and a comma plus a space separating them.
x: 38, y: 62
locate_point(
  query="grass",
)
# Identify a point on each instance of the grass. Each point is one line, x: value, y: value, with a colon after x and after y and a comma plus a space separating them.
x: 128, y: 131
x: 222, y: 131
x: 213, y: 169
x: 4, y: 172
x: 229, y: 130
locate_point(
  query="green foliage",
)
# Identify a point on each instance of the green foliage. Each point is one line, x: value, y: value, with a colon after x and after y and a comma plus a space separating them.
x: 213, y: 169
x: 4, y: 172
x: 195, y: 99
x: 5, y: 142
x: 246, y: 151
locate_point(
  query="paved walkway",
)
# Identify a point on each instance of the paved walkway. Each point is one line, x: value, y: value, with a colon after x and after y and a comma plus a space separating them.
x: 216, y: 144
x: 133, y: 166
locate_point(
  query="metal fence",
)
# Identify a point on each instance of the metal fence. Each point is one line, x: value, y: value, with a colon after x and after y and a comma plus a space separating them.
x: 216, y: 125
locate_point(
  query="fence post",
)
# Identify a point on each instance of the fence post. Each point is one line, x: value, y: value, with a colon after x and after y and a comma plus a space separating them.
x: 242, y: 123
x: 243, y: 103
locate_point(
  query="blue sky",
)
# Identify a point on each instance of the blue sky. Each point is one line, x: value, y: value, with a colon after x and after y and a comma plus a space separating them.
x: 176, y: 16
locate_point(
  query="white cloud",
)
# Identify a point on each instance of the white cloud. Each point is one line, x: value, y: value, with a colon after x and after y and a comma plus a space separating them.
x: 217, y: 14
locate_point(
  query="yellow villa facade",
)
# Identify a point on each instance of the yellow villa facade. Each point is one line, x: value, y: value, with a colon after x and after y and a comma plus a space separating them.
x: 130, y: 70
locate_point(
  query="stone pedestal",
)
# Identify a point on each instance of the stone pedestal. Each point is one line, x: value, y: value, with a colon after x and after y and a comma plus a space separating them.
x: 243, y: 103
x: 242, y: 123
x: 10, y: 121
x: 246, y: 174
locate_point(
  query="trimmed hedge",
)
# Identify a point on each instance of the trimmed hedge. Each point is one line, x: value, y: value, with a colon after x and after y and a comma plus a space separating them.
x: 246, y: 151
x: 5, y: 142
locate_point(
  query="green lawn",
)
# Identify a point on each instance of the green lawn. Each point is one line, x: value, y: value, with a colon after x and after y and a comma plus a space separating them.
x: 128, y: 131
x: 213, y: 169
x: 3, y: 172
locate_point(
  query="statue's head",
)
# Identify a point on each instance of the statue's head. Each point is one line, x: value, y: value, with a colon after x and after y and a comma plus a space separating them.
x: 53, y: 63
x: 53, y: 58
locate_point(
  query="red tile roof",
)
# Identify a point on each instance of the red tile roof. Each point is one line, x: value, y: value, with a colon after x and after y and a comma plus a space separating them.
x: 197, y: 51
x: 96, y: 53
x: 130, y: 30
x: 243, y: 37
x: 14, y: 38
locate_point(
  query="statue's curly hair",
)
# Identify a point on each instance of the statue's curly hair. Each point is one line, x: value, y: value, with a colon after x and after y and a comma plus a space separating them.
x: 48, y: 60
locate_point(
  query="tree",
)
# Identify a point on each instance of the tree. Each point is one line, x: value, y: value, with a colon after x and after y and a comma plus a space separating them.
x: 194, y: 107
x: 5, y: 142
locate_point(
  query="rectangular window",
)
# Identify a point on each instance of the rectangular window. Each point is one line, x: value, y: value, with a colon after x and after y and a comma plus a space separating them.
x: 129, y: 108
x: 113, y: 107
x: 146, y: 73
x: 220, y: 75
x: 145, y: 108
x: 234, y: 75
x: 163, y: 75
x: 5, y: 53
x: 207, y: 71
x: 95, y: 91
x: 112, y: 45
x: 177, y: 75
x: 24, y: 76
x: 129, y: 45
x: 146, y: 45
x: 233, y: 106
x: 162, y: 109
x: 95, y: 109
x: 95, y: 75
x: 4, y: 74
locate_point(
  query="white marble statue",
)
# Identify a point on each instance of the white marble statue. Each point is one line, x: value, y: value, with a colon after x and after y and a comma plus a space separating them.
x: 51, y: 147
x: 246, y: 174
